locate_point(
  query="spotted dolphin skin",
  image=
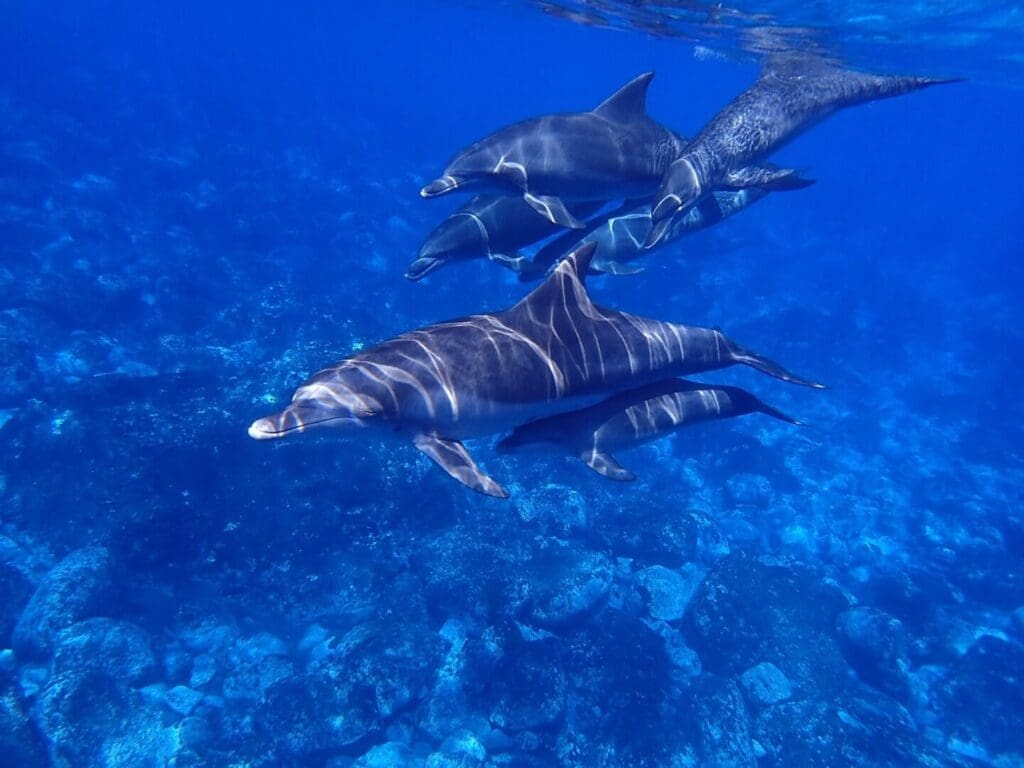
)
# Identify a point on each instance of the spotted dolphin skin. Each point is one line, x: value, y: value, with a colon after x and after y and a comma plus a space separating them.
x: 620, y: 239
x: 489, y: 227
x: 552, y: 352
x: 790, y: 96
x: 633, y: 418
x: 613, y: 151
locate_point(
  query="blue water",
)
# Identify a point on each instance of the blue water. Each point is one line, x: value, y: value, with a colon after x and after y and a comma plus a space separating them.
x: 199, y: 207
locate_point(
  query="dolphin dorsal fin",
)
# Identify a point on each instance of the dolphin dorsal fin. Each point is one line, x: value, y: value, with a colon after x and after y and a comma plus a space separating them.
x: 629, y: 103
x: 565, y: 286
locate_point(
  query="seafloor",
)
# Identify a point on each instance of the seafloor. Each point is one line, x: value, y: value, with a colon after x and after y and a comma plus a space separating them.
x: 171, y: 593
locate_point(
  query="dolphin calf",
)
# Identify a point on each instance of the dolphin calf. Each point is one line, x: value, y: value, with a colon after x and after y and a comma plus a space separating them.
x: 485, y: 374
x: 788, y: 97
x: 620, y: 239
x: 491, y: 227
x: 613, y: 151
x: 633, y: 418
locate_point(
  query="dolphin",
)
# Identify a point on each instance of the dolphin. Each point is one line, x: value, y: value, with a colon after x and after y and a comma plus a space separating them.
x: 620, y: 239
x: 633, y: 418
x: 789, y: 96
x: 490, y: 227
x: 485, y: 374
x: 613, y: 151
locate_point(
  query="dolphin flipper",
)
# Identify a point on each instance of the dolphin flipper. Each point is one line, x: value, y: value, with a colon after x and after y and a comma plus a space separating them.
x: 605, y: 464
x: 768, y: 178
x: 514, y: 261
x: 453, y: 458
x: 553, y: 209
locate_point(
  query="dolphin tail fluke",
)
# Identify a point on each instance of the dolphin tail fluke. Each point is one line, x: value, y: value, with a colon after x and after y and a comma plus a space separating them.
x: 453, y: 458
x: 605, y: 464
x: 554, y: 210
x: 744, y: 356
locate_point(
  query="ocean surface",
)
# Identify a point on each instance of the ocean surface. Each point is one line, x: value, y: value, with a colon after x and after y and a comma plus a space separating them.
x: 201, y: 204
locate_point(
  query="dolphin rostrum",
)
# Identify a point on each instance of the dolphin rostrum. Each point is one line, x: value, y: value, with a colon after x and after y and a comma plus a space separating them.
x: 489, y: 227
x: 633, y: 418
x: 788, y: 97
x: 553, y: 351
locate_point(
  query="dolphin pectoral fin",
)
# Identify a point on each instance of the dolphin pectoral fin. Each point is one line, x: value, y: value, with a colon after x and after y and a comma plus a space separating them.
x: 453, y: 458
x: 553, y: 209
x: 516, y: 261
x: 605, y: 464
x: 768, y: 178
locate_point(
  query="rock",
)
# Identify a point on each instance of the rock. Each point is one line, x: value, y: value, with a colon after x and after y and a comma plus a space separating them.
x: 746, y: 612
x: 749, y: 490
x: 566, y: 584
x: 251, y: 678
x: 662, y: 536
x: 117, y: 648
x: 204, y: 669
x: 15, y: 591
x: 722, y: 727
x: 668, y: 592
x: 984, y: 696
x: 388, y: 755
x: 76, y: 712
x: 529, y: 688
x: 371, y: 675
x: 765, y: 684
x: 20, y: 745
x: 875, y: 645
x: 860, y: 729
x: 182, y: 699
x: 73, y: 590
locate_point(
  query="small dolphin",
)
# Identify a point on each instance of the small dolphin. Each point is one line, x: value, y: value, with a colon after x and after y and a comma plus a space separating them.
x: 633, y: 418
x: 490, y: 227
x: 614, y: 151
x: 790, y: 96
x: 620, y: 239
x: 554, y: 351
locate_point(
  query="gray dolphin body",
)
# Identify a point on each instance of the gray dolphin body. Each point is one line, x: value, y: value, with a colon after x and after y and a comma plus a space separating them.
x: 614, y: 151
x: 553, y: 351
x: 788, y: 97
x: 620, y: 239
x: 633, y: 418
x: 490, y: 227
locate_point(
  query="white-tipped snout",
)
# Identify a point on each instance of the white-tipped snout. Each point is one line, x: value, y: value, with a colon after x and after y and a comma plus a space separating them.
x: 264, y: 429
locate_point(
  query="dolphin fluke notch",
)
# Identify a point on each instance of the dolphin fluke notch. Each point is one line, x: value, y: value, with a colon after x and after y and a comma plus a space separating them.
x: 453, y: 458
x: 629, y: 102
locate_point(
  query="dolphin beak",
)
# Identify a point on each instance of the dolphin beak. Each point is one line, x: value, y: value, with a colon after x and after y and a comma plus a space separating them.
x: 422, y: 267
x: 440, y: 186
x: 265, y: 429
x: 661, y: 220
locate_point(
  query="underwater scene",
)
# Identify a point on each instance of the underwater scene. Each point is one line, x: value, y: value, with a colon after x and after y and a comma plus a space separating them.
x: 452, y: 384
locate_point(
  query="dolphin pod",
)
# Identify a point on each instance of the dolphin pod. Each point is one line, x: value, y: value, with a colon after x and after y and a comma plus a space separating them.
x: 554, y: 351
x: 592, y: 192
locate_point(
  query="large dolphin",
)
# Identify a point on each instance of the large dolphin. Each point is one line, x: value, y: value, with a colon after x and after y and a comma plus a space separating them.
x: 615, y: 151
x: 491, y: 227
x: 553, y: 351
x: 633, y: 418
x: 790, y: 96
x: 620, y: 239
